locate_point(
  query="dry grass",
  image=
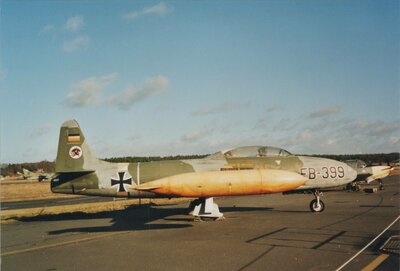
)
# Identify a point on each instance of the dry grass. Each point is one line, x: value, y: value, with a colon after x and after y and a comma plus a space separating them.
x: 21, y: 190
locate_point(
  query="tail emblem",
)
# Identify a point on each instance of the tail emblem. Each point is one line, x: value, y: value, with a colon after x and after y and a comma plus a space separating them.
x: 75, y: 152
x: 121, y: 182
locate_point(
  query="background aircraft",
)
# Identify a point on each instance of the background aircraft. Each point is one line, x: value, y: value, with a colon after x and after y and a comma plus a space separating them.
x: 367, y: 174
x: 29, y: 175
x: 229, y: 173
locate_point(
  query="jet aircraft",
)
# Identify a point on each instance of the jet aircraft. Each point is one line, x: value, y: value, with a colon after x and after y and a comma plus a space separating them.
x: 29, y: 175
x: 240, y: 171
x: 367, y: 174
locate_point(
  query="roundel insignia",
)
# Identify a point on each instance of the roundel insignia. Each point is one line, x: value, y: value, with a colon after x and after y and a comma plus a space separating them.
x: 75, y: 152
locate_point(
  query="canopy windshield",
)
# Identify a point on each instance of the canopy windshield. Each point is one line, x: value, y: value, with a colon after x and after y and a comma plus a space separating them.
x: 256, y: 151
x: 356, y: 163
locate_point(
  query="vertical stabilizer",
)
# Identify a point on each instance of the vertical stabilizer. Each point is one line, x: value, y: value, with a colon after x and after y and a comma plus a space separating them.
x: 73, y: 153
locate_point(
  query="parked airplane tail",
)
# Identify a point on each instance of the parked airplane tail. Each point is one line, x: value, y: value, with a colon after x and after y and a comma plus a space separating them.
x: 77, y: 170
x: 73, y: 153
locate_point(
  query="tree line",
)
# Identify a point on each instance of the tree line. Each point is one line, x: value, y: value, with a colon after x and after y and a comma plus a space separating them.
x: 370, y: 159
x: 13, y: 169
x: 49, y: 167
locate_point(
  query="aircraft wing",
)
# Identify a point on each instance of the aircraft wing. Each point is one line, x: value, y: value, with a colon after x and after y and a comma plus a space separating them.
x: 373, y: 173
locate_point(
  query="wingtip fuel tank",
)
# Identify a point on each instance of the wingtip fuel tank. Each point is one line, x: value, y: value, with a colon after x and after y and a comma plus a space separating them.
x: 217, y: 183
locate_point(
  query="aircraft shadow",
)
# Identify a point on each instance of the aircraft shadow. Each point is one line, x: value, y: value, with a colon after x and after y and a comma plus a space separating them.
x: 244, y: 209
x: 137, y: 218
x: 189, y: 218
x: 132, y: 218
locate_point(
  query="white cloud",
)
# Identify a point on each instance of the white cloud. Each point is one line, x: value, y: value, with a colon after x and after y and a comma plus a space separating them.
x: 88, y: 91
x: 222, y: 108
x: 393, y: 140
x: 194, y: 136
x: 75, y: 23
x: 72, y: 41
x: 41, y: 130
x: 153, y: 86
x: 379, y: 129
x: 344, y: 136
x: 305, y: 136
x: 285, y: 124
x: 159, y: 9
x: 299, y: 138
x: 276, y: 108
x: 134, y: 137
x: 48, y: 28
x: 276, y: 125
x: 76, y: 44
x: 324, y: 112
x: 3, y: 74
x: 376, y: 129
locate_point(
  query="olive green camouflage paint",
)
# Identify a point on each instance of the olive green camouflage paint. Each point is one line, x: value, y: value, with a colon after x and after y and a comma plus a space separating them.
x: 87, y: 175
x: 79, y: 172
x: 64, y: 163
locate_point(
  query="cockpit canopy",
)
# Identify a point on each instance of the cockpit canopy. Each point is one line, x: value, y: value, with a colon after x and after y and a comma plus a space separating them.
x: 256, y: 151
x: 356, y: 163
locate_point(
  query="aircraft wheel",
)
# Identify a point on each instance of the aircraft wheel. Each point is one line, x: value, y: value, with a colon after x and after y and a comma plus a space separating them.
x: 314, y: 207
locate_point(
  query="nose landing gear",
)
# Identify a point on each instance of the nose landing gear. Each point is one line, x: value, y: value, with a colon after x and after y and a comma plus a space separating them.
x: 317, y: 205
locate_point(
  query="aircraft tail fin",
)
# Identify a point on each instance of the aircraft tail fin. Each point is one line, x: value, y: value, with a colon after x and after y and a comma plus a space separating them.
x: 73, y: 154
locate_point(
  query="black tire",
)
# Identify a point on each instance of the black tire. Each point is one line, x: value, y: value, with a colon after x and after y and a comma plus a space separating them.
x: 315, y: 208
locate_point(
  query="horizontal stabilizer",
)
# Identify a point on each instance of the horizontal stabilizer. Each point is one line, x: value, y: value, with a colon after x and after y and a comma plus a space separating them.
x: 77, y: 171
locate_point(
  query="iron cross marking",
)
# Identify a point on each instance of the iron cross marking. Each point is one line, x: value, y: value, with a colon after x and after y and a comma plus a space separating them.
x: 121, y: 181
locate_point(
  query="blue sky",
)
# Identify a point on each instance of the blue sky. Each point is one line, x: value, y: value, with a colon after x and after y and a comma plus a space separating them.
x: 186, y: 77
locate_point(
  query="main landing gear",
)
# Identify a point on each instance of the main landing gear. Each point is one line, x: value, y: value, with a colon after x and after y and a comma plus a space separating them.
x: 204, y: 209
x: 317, y: 205
x: 380, y: 184
x: 353, y: 186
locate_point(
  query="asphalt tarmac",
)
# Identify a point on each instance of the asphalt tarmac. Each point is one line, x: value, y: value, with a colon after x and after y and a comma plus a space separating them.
x: 268, y: 232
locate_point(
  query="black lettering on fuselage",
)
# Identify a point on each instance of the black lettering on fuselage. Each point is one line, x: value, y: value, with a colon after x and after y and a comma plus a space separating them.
x: 325, y: 172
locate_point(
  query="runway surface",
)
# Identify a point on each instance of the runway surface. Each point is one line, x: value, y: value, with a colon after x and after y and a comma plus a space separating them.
x: 269, y: 232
